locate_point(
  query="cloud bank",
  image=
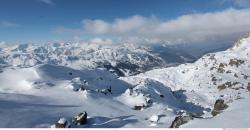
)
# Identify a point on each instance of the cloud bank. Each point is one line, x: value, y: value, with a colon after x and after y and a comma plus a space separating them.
x: 192, y: 28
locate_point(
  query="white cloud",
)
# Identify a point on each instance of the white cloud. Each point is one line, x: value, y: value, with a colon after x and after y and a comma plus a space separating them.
x: 118, y: 26
x: 96, y: 26
x: 224, y: 26
x: 48, y: 2
x: 7, y: 24
x: 195, y: 27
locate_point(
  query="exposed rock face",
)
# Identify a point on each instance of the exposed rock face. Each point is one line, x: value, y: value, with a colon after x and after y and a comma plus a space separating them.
x: 80, y: 119
x: 221, y: 68
x: 218, y: 107
x: 227, y: 85
x: 236, y: 62
x: 180, y: 120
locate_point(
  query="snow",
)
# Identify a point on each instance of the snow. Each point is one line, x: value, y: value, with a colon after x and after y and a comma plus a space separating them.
x: 154, y: 118
x: 40, y: 94
x: 62, y: 120
x: 133, y: 100
x: 81, y: 56
x: 236, y: 116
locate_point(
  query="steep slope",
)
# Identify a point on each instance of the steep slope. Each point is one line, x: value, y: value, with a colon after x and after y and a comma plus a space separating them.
x: 222, y: 75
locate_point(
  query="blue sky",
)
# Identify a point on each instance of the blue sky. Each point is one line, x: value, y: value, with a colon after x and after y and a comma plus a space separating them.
x: 51, y: 20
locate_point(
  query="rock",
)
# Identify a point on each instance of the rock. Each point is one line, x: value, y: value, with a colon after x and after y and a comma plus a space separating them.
x: 236, y: 62
x: 109, y: 90
x: 180, y: 120
x: 245, y: 76
x: 220, y: 70
x: 80, y: 119
x: 227, y: 85
x: 248, y: 87
x: 222, y: 65
x: 138, y: 107
x: 62, y: 123
x: 214, y: 80
x: 218, y: 107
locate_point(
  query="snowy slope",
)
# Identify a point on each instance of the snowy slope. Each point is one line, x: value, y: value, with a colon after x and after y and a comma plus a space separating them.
x: 236, y: 116
x: 38, y: 94
x: 222, y: 75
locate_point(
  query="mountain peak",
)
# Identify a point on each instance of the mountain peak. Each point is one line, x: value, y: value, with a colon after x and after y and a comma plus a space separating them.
x: 242, y: 43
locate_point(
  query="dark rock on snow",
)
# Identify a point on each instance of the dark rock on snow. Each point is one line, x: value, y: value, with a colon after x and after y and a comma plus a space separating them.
x: 80, y: 119
x: 248, y: 87
x: 137, y: 107
x: 218, y: 107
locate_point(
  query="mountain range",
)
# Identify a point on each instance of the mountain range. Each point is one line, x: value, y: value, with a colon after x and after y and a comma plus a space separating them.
x: 123, y: 85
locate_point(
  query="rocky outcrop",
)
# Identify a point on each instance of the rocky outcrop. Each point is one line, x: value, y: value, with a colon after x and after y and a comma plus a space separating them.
x: 219, y: 106
x: 227, y: 85
x: 236, y: 62
x: 248, y: 87
x: 80, y: 119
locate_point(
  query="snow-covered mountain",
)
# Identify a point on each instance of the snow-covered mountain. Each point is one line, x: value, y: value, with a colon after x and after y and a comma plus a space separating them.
x: 122, y: 59
x: 214, y: 75
x: 49, y: 82
x: 223, y: 75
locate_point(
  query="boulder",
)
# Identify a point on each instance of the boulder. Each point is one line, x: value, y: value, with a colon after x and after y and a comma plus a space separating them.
x: 218, y: 107
x: 138, y: 107
x: 80, y: 119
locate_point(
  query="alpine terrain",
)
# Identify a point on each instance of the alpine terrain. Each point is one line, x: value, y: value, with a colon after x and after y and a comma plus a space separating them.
x: 81, y: 85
